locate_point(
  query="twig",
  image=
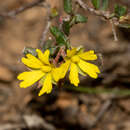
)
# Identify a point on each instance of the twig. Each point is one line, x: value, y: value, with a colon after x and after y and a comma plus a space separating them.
x: 45, y: 31
x: 113, y: 30
x: 105, y: 15
x: 44, y: 34
x: 104, y: 108
x: 13, y: 13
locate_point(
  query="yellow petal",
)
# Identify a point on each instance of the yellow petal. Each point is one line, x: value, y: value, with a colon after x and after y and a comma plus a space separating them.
x: 81, y: 72
x: 47, y: 85
x: 44, y: 57
x: 89, y: 68
x: 64, y: 68
x: 73, y: 76
x: 32, y: 62
x: 72, y: 52
x: 75, y: 58
x: 57, y: 73
x: 89, y: 55
x: 30, y: 77
x: 46, y: 68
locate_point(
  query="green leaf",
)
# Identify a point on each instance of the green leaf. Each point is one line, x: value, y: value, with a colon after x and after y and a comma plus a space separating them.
x: 68, y: 6
x: 80, y: 18
x: 61, y: 39
x: 96, y: 3
x: 49, y: 45
x: 54, y: 12
x: 66, y: 27
x: 120, y: 10
x: 105, y: 4
x: 29, y: 50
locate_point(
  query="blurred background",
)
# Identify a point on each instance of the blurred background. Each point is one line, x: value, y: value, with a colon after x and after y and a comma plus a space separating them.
x: 64, y: 109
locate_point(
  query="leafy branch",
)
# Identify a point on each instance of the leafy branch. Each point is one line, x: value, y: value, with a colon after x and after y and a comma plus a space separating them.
x: 99, y: 10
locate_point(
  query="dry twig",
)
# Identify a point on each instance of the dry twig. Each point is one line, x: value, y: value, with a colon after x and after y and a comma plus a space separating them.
x: 104, y: 108
x: 13, y: 13
x: 105, y: 15
x: 113, y: 30
x: 46, y: 29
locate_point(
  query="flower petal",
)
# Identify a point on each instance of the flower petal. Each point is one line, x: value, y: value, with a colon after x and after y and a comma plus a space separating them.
x: 46, y: 68
x: 32, y: 62
x: 57, y: 73
x: 81, y: 72
x: 44, y: 57
x: 75, y: 58
x: 64, y: 68
x: 73, y: 76
x: 30, y: 77
x: 89, y: 68
x: 72, y: 52
x: 47, y: 85
x: 89, y: 55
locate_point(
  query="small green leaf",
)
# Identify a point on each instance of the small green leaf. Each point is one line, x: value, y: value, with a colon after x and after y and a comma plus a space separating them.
x: 61, y: 39
x: 68, y: 6
x: 80, y: 18
x: 105, y: 4
x: 48, y: 44
x: 120, y: 10
x: 54, y: 12
x: 66, y: 27
x: 96, y: 3
x: 29, y: 50
x: 112, y: 15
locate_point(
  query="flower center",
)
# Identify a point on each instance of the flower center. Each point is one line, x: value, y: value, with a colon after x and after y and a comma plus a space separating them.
x: 75, y: 59
x: 46, y: 68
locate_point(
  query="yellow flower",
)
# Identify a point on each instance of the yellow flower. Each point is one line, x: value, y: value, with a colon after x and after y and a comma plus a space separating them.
x: 41, y: 69
x: 76, y: 62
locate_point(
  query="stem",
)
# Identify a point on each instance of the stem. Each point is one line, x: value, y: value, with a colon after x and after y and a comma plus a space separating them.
x: 90, y: 90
